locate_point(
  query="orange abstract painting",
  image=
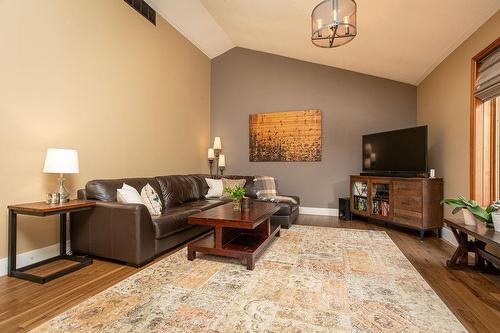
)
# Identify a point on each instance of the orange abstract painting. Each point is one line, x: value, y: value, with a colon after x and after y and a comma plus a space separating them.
x: 291, y: 136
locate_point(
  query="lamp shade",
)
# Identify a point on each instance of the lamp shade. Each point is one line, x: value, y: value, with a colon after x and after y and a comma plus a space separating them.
x: 61, y: 161
x: 217, y: 143
x: 211, y: 154
x: 222, y: 161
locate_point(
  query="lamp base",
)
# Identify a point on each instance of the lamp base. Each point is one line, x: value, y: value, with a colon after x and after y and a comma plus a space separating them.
x: 64, y: 194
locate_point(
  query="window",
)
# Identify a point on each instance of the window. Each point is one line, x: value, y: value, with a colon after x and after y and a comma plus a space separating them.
x: 485, y: 130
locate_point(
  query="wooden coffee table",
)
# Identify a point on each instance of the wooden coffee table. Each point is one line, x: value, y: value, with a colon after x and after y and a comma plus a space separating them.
x: 242, y: 235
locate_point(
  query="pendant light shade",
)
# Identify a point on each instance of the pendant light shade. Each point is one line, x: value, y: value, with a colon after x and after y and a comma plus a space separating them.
x: 333, y: 23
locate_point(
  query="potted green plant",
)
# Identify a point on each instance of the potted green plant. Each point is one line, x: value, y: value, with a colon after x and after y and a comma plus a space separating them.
x: 237, y: 194
x: 472, y: 211
x: 495, y: 215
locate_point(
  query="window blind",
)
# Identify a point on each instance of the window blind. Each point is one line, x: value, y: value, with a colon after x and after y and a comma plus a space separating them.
x: 487, y: 85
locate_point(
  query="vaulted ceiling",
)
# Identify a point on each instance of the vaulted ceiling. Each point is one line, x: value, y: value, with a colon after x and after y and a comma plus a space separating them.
x: 402, y: 40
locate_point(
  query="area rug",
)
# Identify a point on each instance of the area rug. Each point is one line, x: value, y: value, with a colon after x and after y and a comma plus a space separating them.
x: 311, y: 279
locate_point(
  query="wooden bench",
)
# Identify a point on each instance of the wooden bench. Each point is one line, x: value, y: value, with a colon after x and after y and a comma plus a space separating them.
x: 482, y: 236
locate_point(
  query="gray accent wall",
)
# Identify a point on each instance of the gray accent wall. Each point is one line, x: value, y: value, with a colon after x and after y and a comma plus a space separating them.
x: 245, y: 82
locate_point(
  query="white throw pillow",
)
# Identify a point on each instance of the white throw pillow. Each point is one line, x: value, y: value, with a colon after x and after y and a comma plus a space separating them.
x: 151, y: 199
x: 128, y: 194
x: 215, y: 188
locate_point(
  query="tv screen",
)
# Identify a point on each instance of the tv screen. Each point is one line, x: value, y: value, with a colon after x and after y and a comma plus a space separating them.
x: 400, y: 151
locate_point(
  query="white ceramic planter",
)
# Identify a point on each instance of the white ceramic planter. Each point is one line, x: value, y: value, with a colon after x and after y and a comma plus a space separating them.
x: 496, y: 220
x: 469, y: 218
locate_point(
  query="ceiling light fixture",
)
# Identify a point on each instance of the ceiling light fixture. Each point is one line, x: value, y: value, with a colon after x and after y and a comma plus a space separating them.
x: 333, y: 23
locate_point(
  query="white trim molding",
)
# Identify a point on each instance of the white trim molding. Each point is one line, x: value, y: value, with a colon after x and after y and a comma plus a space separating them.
x: 31, y: 257
x: 318, y: 211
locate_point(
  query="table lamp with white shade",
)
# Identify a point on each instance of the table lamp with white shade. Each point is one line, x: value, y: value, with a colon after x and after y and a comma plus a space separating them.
x: 61, y: 161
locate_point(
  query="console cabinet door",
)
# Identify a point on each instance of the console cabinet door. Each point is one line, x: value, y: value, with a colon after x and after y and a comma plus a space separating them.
x: 360, y: 196
x: 381, y: 198
x: 408, y: 202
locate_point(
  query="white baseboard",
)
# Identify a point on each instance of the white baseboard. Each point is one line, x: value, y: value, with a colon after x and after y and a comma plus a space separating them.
x: 318, y: 211
x: 31, y: 257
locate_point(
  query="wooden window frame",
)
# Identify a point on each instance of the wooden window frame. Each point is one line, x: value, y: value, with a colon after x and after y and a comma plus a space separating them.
x: 474, y: 102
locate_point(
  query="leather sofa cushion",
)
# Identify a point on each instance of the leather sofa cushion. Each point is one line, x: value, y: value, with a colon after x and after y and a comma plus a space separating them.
x: 179, y: 189
x: 201, y: 184
x: 172, y: 221
x: 105, y: 189
x: 203, y: 204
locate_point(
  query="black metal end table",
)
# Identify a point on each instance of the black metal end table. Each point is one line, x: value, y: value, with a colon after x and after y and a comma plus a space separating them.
x: 43, y: 209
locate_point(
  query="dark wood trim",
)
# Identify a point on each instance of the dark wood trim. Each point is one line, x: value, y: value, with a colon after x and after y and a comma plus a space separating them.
x: 473, y: 105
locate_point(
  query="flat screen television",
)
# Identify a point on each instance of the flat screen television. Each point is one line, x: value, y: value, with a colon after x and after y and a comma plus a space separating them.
x: 401, y: 152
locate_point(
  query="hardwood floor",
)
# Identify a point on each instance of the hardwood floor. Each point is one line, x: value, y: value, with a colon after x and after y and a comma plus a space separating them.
x: 473, y: 297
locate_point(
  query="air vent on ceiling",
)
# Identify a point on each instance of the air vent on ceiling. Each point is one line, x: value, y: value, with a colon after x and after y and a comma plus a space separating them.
x: 144, y: 9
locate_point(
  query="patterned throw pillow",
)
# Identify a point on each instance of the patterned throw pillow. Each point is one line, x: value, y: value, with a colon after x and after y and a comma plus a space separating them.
x: 215, y: 188
x: 265, y: 187
x: 151, y: 200
x: 231, y: 184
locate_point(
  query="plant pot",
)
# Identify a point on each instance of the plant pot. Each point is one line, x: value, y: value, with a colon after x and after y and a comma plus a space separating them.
x: 237, y: 204
x: 469, y: 218
x: 496, y: 220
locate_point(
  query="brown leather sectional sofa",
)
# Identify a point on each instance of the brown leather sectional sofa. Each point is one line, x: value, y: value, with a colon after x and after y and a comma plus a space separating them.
x: 128, y: 233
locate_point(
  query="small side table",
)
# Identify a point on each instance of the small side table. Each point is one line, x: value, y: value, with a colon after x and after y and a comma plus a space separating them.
x: 44, y: 209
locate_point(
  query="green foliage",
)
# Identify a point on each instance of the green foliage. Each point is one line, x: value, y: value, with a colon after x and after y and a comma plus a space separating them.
x: 236, y: 193
x: 482, y: 214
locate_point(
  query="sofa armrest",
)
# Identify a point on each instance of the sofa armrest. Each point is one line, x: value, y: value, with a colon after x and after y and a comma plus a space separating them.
x: 293, y: 197
x: 81, y: 194
x: 114, y: 230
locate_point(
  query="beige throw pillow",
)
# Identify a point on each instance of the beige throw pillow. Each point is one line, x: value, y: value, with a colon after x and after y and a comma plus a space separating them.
x: 128, y: 195
x: 151, y: 200
x: 215, y: 188
x: 231, y: 184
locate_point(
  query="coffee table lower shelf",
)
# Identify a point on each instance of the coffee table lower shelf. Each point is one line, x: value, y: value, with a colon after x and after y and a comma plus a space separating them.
x: 245, y: 245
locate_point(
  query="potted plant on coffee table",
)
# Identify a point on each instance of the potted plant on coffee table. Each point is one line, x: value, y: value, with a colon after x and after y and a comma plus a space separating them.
x: 472, y: 211
x: 237, y: 194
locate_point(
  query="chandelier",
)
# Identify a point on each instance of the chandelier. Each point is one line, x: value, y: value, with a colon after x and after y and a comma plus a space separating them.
x: 333, y: 23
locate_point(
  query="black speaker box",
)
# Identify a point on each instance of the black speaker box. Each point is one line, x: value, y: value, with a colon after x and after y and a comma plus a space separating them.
x: 345, y: 209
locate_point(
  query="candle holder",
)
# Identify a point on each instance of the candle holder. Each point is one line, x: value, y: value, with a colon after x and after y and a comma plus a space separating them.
x: 217, y: 154
x: 211, y: 162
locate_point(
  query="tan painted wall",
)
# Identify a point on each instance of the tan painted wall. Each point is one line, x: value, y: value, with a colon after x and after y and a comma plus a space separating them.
x: 94, y: 75
x: 443, y: 103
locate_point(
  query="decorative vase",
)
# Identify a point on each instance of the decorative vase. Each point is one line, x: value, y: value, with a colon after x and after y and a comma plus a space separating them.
x: 469, y: 218
x: 496, y: 220
x: 237, y: 204
x: 245, y: 203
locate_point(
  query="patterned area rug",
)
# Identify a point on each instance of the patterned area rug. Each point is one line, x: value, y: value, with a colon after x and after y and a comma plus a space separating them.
x: 311, y: 279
